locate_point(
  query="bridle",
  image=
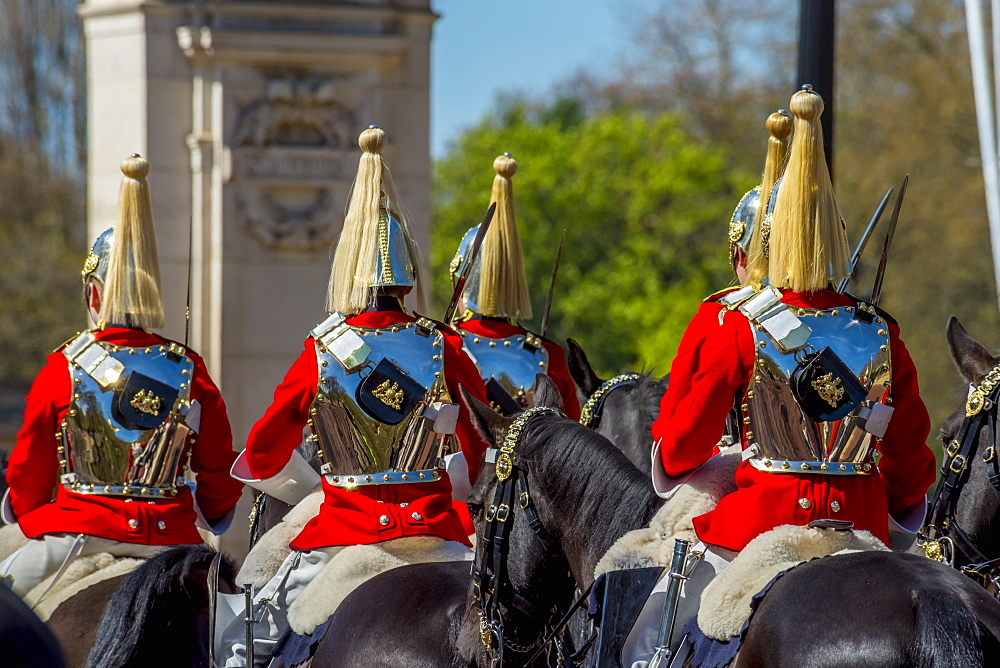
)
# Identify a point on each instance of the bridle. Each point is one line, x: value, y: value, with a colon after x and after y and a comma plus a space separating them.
x: 494, y: 597
x: 590, y: 413
x: 940, y: 536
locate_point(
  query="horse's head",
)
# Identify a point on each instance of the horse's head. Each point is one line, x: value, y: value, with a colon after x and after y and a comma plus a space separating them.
x: 978, y: 504
x: 575, y: 495
x: 527, y: 576
x: 623, y: 411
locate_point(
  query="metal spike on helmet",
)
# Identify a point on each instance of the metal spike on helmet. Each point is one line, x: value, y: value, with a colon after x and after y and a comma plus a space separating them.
x: 376, y: 248
x: 497, y: 286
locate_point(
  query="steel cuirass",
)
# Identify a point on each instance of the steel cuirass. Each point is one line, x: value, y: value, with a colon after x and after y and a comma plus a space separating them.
x: 780, y: 434
x: 512, y: 362
x: 382, y: 413
x: 125, y: 432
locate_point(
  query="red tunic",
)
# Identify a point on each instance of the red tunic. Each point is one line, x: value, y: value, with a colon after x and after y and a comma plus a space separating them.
x: 712, y: 369
x: 351, y: 517
x: 33, y: 471
x: 558, y: 371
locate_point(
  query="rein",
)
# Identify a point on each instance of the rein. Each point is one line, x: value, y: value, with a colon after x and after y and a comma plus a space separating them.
x: 590, y: 413
x: 491, y: 584
x: 941, y: 538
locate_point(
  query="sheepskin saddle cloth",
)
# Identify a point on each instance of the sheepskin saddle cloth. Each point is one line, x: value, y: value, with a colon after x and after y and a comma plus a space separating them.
x: 81, y: 573
x: 654, y: 544
x: 355, y: 564
x: 725, y: 602
x: 270, y: 551
x: 347, y: 568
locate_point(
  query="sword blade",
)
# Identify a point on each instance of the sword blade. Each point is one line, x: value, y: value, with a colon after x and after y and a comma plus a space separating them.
x: 552, y: 286
x: 463, y: 275
x: 880, y: 274
x: 863, y: 243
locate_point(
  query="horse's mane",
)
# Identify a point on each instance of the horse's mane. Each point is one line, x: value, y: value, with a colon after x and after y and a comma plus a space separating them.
x: 597, y: 493
x: 651, y: 391
x: 153, y: 596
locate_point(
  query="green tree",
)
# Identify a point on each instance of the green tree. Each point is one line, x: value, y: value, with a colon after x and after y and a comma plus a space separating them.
x: 645, y: 207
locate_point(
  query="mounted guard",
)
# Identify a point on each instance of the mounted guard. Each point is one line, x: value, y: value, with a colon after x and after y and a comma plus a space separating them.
x: 376, y: 391
x: 832, y: 424
x: 109, y: 431
x: 495, y: 298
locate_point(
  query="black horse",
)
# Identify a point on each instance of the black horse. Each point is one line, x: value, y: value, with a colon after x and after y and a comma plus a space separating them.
x: 888, y: 609
x: 156, y: 615
x: 25, y: 642
x: 431, y: 620
x: 626, y: 412
x: 877, y: 609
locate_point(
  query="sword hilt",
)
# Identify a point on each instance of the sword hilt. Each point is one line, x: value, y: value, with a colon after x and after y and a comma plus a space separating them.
x: 249, y: 620
x: 670, y: 602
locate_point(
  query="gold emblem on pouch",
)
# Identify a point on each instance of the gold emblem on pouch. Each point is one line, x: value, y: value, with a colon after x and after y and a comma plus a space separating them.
x: 145, y: 401
x: 389, y: 394
x: 829, y: 389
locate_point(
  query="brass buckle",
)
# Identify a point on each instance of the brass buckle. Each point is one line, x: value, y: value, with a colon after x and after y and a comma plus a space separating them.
x: 503, y: 512
x: 525, y: 500
x: 957, y: 464
x: 491, y: 512
x: 953, y: 448
x: 989, y: 454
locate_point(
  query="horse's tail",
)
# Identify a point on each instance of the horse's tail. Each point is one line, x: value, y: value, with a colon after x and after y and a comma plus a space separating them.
x: 153, y: 596
x: 948, y: 634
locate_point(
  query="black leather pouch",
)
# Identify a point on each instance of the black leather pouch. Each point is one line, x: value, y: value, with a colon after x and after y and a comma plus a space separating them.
x: 826, y: 389
x: 388, y: 394
x: 143, y: 402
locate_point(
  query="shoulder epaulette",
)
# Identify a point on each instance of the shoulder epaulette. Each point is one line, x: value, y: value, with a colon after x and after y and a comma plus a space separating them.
x: 716, y: 296
x: 85, y: 352
x: 66, y: 342
x: 337, y: 337
x: 427, y: 326
x: 766, y: 310
x: 871, y: 309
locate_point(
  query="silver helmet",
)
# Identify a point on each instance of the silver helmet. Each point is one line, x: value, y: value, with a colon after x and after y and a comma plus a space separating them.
x: 742, y: 223
x: 471, y: 294
x: 394, y: 264
x: 96, y: 264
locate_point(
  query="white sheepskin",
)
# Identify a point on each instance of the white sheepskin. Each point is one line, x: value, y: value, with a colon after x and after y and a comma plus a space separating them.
x: 12, y: 539
x: 82, y: 572
x: 653, y: 545
x: 357, y: 563
x: 725, y: 602
x: 270, y: 551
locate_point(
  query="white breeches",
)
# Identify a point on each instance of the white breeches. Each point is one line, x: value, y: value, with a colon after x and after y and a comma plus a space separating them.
x: 297, y: 570
x: 641, y: 642
x: 36, y: 561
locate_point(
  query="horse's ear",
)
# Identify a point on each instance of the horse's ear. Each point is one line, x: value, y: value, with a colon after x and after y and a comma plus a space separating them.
x: 547, y: 394
x: 971, y: 358
x: 579, y: 367
x: 487, y: 422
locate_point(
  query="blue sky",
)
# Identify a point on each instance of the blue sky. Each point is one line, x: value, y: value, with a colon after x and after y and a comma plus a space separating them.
x: 482, y: 48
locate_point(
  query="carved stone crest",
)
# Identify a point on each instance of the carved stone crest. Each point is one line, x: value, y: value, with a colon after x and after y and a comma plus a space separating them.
x: 293, y: 162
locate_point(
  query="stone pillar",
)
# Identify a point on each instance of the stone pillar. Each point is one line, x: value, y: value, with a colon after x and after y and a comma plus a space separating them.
x: 249, y: 114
